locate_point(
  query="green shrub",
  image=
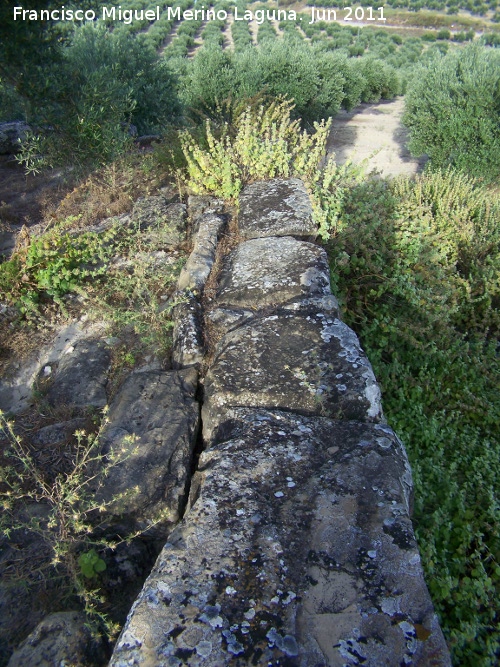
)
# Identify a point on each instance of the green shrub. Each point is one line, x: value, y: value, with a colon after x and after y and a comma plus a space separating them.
x: 210, y: 78
x: 261, y: 142
x: 50, y: 267
x: 85, y: 103
x: 416, y: 266
x: 381, y: 80
x: 452, y: 111
x: 11, y: 103
x: 318, y: 81
x: 68, y: 526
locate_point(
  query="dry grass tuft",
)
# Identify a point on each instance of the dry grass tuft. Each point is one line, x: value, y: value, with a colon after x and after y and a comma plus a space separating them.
x: 110, y: 191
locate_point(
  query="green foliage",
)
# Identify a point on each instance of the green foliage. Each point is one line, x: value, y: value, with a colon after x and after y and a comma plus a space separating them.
x: 318, y: 80
x: 381, y: 80
x: 101, y: 83
x: 452, y: 111
x: 38, y: 277
x: 11, y: 103
x: 210, y: 78
x: 416, y: 265
x: 51, y: 266
x: 91, y: 564
x: 67, y: 527
x: 260, y: 143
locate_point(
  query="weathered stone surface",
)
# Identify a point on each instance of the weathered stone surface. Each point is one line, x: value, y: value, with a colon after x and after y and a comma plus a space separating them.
x: 80, y: 377
x: 270, y: 271
x: 277, y: 207
x: 297, y: 550
x: 11, y: 134
x: 198, y: 205
x: 164, y: 223
x: 57, y: 434
x: 16, y: 392
x: 311, y: 363
x: 60, y: 639
x: 224, y: 320
x: 197, y: 269
x: 155, y: 418
x: 187, y: 345
x: 228, y: 319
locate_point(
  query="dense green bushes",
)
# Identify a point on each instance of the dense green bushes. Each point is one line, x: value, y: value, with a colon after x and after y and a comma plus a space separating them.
x: 85, y: 102
x: 452, y: 111
x: 416, y: 266
x: 319, y: 82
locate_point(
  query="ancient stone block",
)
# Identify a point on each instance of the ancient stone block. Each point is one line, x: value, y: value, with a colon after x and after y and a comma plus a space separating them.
x: 277, y: 207
x: 197, y: 269
x: 57, y: 434
x: 11, y: 136
x: 187, y: 345
x: 80, y: 376
x: 311, y: 363
x: 271, y: 271
x: 198, y: 205
x: 62, y: 638
x: 155, y: 419
x: 159, y: 221
x: 297, y: 550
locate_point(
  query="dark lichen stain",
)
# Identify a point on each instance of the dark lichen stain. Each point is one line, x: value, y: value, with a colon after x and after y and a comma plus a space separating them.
x: 222, y: 581
x: 258, y: 652
x: 175, y: 632
x: 184, y: 653
x: 322, y: 559
x: 367, y: 566
x: 400, y: 535
x: 187, y: 595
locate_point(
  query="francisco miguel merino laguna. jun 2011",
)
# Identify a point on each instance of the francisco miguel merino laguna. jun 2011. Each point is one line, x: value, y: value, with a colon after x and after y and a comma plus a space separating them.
x: 128, y: 16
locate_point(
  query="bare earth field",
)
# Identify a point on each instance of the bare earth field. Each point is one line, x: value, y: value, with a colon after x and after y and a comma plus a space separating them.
x: 374, y: 132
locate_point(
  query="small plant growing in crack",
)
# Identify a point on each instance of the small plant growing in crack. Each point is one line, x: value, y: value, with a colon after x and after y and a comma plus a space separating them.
x: 70, y: 512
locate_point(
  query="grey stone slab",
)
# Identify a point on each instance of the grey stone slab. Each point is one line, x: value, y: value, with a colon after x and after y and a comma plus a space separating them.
x: 198, y: 205
x: 312, y: 364
x: 80, y: 376
x: 11, y: 135
x: 270, y: 271
x: 57, y: 434
x: 224, y: 320
x: 154, y: 418
x: 160, y: 221
x: 16, y: 391
x: 297, y: 550
x: 62, y: 638
x: 187, y: 343
x: 199, y: 264
x: 277, y: 207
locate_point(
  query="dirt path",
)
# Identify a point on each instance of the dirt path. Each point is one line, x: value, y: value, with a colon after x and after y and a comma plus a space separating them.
x: 198, y: 41
x: 254, y: 29
x: 228, y: 35
x: 169, y: 38
x: 374, y: 131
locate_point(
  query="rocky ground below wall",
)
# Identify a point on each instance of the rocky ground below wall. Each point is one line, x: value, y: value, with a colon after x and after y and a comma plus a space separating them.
x: 257, y: 466
x: 152, y: 421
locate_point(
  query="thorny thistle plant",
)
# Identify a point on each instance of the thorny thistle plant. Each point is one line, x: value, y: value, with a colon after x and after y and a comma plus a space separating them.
x: 73, y: 513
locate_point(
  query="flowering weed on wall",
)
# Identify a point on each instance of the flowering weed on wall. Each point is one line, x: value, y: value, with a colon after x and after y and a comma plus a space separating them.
x: 260, y: 143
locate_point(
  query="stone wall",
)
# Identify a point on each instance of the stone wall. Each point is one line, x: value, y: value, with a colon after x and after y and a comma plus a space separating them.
x: 296, y: 546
